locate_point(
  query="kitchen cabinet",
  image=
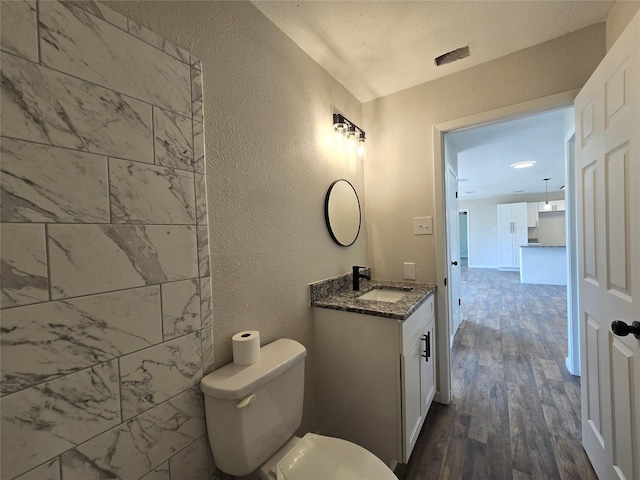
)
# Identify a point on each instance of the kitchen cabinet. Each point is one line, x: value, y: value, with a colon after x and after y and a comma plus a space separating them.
x: 376, y: 378
x: 512, y: 232
x: 556, y: 206
x: 532, y: 214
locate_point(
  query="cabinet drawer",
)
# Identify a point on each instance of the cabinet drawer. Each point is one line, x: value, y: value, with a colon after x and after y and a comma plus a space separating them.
x: 413, y: 325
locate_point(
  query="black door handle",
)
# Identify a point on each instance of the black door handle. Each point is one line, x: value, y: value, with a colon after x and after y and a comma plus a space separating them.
x: 622, y: 329
x: 454, y: 263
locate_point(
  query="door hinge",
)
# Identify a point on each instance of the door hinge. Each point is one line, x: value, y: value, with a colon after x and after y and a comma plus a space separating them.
x: 458, y: 301
x: 445, y: 282
x: 456, y: 194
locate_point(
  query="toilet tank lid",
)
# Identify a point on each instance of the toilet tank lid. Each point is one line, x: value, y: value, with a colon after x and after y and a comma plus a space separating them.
x: 233, y: 382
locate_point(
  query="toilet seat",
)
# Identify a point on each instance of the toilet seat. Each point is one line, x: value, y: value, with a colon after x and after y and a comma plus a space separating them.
x: 316, y: 457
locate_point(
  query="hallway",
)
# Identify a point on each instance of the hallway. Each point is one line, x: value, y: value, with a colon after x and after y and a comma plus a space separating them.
x: 515, y: 410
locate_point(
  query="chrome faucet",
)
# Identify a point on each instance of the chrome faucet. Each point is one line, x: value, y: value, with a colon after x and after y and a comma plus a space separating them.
x: 356, y: 277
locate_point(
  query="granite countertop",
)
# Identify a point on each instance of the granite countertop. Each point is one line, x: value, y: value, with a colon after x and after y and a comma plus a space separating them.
x: 347, y: 300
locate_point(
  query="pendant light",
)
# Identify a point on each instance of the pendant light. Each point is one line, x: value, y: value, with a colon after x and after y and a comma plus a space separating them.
x: 547, y: 206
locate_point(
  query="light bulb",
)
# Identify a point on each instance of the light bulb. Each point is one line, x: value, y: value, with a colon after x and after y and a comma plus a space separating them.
x: 340, y: 128
x: 361, y: 147
x: 351, y: 145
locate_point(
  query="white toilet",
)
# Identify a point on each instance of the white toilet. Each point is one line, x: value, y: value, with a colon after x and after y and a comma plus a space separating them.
x: 253, y: 411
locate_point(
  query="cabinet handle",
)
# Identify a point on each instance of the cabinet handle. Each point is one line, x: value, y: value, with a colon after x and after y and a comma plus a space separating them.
x: 427, y: 346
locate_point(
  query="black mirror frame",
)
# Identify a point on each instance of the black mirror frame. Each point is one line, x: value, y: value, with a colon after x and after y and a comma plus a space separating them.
x: 326, y: 213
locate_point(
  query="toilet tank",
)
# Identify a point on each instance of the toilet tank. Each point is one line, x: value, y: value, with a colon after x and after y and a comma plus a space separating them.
x: 253, y: 410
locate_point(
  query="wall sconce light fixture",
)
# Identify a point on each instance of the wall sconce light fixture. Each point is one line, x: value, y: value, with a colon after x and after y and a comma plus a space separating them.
x: 346, y: 129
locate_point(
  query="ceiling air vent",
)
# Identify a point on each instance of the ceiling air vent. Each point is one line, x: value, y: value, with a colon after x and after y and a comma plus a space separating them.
x: 452, y: 56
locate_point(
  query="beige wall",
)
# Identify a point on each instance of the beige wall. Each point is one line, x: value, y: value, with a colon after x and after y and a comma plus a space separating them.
x: 267, y: 109
x: 399, y: 175
x: 619, y: 17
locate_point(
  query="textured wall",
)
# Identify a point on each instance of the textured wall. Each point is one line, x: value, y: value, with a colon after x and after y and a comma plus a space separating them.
x: 269, y: 108
x: 399, y: 177
x: 106, y: 295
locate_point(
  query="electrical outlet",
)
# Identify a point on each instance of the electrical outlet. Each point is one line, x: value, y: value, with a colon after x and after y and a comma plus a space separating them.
x: 423, y: 226
x: 409, y: 271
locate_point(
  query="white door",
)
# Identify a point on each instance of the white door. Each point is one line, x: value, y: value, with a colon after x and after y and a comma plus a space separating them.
x: 453, y: 240
x: 608, y: 178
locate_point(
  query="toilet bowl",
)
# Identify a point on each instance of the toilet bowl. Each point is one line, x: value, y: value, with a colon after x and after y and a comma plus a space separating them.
x: 317, y: 457
x: 253, y: 411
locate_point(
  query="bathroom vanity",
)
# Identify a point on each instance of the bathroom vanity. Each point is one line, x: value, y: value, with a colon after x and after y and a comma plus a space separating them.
x: 376, y: 364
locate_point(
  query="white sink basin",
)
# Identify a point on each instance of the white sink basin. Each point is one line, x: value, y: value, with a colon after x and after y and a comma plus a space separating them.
x: 383, y: 295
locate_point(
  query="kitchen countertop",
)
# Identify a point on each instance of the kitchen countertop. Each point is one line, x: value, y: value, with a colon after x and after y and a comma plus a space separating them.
x: 347, y: 300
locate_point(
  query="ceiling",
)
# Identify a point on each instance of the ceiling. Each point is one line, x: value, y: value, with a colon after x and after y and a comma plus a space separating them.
x: 375, y: 48
x: 486, y: 153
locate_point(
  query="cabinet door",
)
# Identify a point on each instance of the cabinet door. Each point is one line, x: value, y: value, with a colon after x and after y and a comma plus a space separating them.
x: 505, y: 235
x: 521, y: 237
x: 419, y: 385
x: 505, y: 239
x: 505, y: 215
x: 532, y: 214
x: 519, y: 214
x: 512, y: 222
x: 412, y: 396
x: 428, y: 367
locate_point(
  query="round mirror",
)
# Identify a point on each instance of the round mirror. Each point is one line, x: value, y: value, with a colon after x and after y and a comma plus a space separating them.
x: 342, y: 213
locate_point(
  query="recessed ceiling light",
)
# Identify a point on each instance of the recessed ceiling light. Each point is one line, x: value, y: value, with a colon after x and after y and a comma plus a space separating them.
x: 530, y: 163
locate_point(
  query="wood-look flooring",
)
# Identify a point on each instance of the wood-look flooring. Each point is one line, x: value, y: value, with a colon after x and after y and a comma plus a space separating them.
x: 515, y: 410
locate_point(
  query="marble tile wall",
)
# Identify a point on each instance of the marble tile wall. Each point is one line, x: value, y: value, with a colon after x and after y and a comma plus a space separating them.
x: 106, y: 321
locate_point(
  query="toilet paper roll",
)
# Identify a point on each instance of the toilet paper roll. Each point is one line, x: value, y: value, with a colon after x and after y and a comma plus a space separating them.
x: 246, y: 347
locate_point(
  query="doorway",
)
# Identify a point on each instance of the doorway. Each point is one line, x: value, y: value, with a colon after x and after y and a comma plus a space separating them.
x: 442, y: 164
x: 514, y: 209
x: 463, y: 222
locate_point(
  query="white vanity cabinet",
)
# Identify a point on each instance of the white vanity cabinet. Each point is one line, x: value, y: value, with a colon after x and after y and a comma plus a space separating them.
x: 417, y: 363
x: 376, y: 378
